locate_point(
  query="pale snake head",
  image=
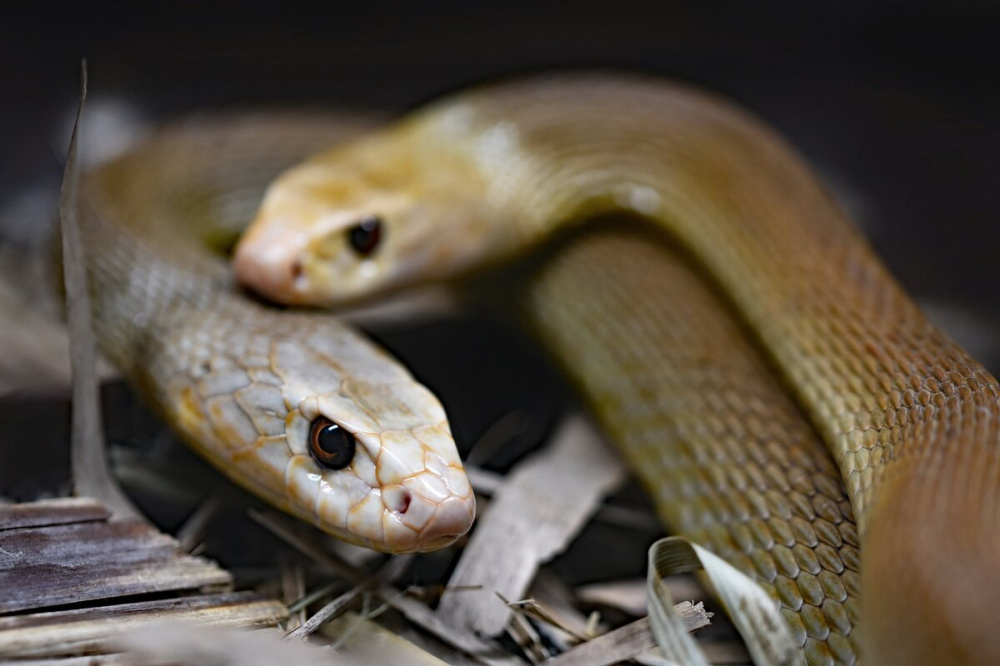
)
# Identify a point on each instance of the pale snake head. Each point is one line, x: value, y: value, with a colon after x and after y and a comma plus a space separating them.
x: 327, y: 426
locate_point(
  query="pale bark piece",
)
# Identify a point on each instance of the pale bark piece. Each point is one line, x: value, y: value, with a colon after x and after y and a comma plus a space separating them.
x: 544, y: 503
x: 52, y: 512
x: 67, y: 553
x: 89, y: 660
x: 362, y: 641
x: 614, y: 646
x: 88, y: 630
x: 181, y: 644
x: 95, y: 560
x: 484, y: 651
x: 630, y: 595
x: 557, y: 600
x: 625, y: 595
x: 627, y: 642
x: 328, y: 613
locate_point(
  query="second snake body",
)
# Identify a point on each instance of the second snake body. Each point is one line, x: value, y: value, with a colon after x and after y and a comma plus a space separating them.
x: 911, y: 421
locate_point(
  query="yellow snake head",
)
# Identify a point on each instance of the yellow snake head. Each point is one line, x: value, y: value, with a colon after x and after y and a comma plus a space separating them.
x: 322, y: 423
x: 357, y: 221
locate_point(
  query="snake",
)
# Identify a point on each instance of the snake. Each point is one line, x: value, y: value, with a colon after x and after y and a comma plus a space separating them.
x: 296, y: 407
x: 909, y: 419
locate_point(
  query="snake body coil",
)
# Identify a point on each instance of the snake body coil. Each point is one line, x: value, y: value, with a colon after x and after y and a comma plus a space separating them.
x: 724, y: 452
x: 911, y: 421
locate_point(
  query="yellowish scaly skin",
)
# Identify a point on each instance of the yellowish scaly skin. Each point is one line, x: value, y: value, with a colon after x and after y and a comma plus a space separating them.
x: 912, y: 422
x: 242, y: 382
x: 726, y: 455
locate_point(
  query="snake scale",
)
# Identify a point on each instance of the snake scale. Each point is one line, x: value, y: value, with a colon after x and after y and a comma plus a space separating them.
x: 910, y: 420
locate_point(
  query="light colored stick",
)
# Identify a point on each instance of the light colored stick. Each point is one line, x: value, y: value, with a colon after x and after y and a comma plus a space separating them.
x: 91, y: 476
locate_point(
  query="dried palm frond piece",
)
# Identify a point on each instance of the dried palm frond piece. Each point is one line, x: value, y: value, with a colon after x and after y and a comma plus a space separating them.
x: 539, y: 509
x: 71, y: 580
x: 753, y: 612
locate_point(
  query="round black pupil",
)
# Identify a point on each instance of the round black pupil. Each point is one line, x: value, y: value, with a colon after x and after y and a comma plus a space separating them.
x: 336, y: 446
x: 366, y: 234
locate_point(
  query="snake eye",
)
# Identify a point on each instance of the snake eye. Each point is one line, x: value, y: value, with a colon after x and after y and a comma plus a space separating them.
x: 366, y: 234
x: 330, y: 445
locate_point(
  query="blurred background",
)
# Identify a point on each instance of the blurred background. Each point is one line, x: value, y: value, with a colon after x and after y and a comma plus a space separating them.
x: 895, y: 103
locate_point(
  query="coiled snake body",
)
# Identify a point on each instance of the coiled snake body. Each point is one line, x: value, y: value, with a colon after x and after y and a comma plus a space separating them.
x: 910, y: 420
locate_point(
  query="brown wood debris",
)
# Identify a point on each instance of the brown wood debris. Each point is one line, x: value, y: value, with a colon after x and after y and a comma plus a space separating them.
x: 76, y: 579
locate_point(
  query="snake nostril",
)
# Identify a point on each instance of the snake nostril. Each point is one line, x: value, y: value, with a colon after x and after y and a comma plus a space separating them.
x: 404, y: 503
x: 397, y: 499
x: 298, y: 270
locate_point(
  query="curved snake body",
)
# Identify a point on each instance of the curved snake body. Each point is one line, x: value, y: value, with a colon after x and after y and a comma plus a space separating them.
x: 721, y: 447
x: 911, y: 421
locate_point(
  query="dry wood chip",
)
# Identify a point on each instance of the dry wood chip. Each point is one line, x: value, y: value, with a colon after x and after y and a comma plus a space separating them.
x: 626, y: 595
x: 556, y: 600
x: 614, y: 646
x: 527, y: 638
x: 85, y: 561
x: 483, y: 481
x: 727, y: 653
x: 486, y: 483
x: 116, y: 659
x: 365, y: 642
x: 89, y: 630
x: 293, y: 586
x: 52, y: 512
x: 628, y: 641
x: 180, y: 643
x: 630, y: 596
x: 328, y: 612
x: 483, y: 651
x: 540, y: 508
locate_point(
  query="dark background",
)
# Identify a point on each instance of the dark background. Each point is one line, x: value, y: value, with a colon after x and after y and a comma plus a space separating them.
x: 896, y: 103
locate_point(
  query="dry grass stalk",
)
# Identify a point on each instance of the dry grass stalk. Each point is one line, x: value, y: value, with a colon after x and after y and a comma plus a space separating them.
x: 483, y: 652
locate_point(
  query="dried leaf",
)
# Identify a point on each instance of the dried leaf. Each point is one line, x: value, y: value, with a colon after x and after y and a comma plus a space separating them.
x: 753, y: 612
x: 541, y: 507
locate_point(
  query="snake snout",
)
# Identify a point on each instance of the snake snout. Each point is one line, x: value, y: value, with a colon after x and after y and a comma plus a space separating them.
x: 268, y: 263
x: 432, y: 511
